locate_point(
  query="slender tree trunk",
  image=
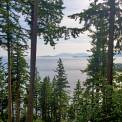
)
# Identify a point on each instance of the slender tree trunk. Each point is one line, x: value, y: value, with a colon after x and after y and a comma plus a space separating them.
x: 36, y: 105
x: 111, y: 42
x: 9, y: 68
x: 32, y: 60
x: 59, y: 112
x: 36, y: 96
x: 18, y: 88
x: 9, y: 84
x: 18, y: 103
x: 110, y: 59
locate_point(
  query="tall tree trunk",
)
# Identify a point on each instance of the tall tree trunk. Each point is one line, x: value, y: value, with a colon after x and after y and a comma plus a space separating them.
x: 111, y: 42
x: 9, y: 68
x: 36, y: 96
x: 36, y: 109
x: 110, y: 59
x: 18, y: 103
x: 9, y: 84
x: 32, y: 60
x: 18, y: 88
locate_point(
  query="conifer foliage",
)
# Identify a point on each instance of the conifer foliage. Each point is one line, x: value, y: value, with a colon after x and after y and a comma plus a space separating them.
x: 25, y: 97
x: 60, y: 93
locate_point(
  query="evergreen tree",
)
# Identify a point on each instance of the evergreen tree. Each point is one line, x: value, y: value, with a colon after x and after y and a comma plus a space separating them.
x: 48, y: 23
x: 34, y: 7
x: 76, y: 99
x: 45, y: 23
x: 3, y: 93
x: 37, y: 95
x: 10, y: 28
x: 45, y: 100
x: 20, y: 76
x: 60, y: 93
x: 96, y: 69
x: 106, y: 11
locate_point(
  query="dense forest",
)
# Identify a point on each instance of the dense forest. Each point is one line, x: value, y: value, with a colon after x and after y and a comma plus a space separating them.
x: 26, y: 97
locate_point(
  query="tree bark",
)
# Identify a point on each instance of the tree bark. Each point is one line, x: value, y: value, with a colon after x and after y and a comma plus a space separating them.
x: 110, y: 59
x: 32, y: 60
x: 9, y: 85
x: 18, y: 103
x: 111, y: 42
x: 18, y: 88
x: 9, y: 68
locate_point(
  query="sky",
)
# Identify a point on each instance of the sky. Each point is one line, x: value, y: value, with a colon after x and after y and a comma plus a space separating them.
x: 80, y: 44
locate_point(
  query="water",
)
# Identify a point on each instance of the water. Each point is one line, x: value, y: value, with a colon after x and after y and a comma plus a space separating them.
x: 47, y: 65
x: 73, y: 66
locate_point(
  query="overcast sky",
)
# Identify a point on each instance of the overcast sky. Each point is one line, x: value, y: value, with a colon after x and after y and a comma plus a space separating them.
x: 78, y: 45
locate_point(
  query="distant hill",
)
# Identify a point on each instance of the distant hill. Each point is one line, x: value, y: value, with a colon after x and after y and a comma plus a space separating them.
x: 65, y: 55
x: 73, y: 55
x: 82, y: 54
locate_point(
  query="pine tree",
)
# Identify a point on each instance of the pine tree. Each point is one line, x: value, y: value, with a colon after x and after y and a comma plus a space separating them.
x: 111, y: 36
x: 3, y: 93
x: 34, y: 7
x: 48, y: 22
x: 45, y: 23
x: 10, y: 28
x: 20, y: 76
x: 107, y: 10
x: 45, y: 100
x: 75, y: 106
x: 60, y: 93
x: 76, y: 99
x: 37, y: 95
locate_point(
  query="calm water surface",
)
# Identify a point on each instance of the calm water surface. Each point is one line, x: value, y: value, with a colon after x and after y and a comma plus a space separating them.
x: 47, y: 66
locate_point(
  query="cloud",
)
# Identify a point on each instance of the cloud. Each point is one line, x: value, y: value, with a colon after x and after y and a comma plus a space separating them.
x: 81, y: 44
x: 77, y: 45
x: 71, y: 23
x: 73, y: 6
